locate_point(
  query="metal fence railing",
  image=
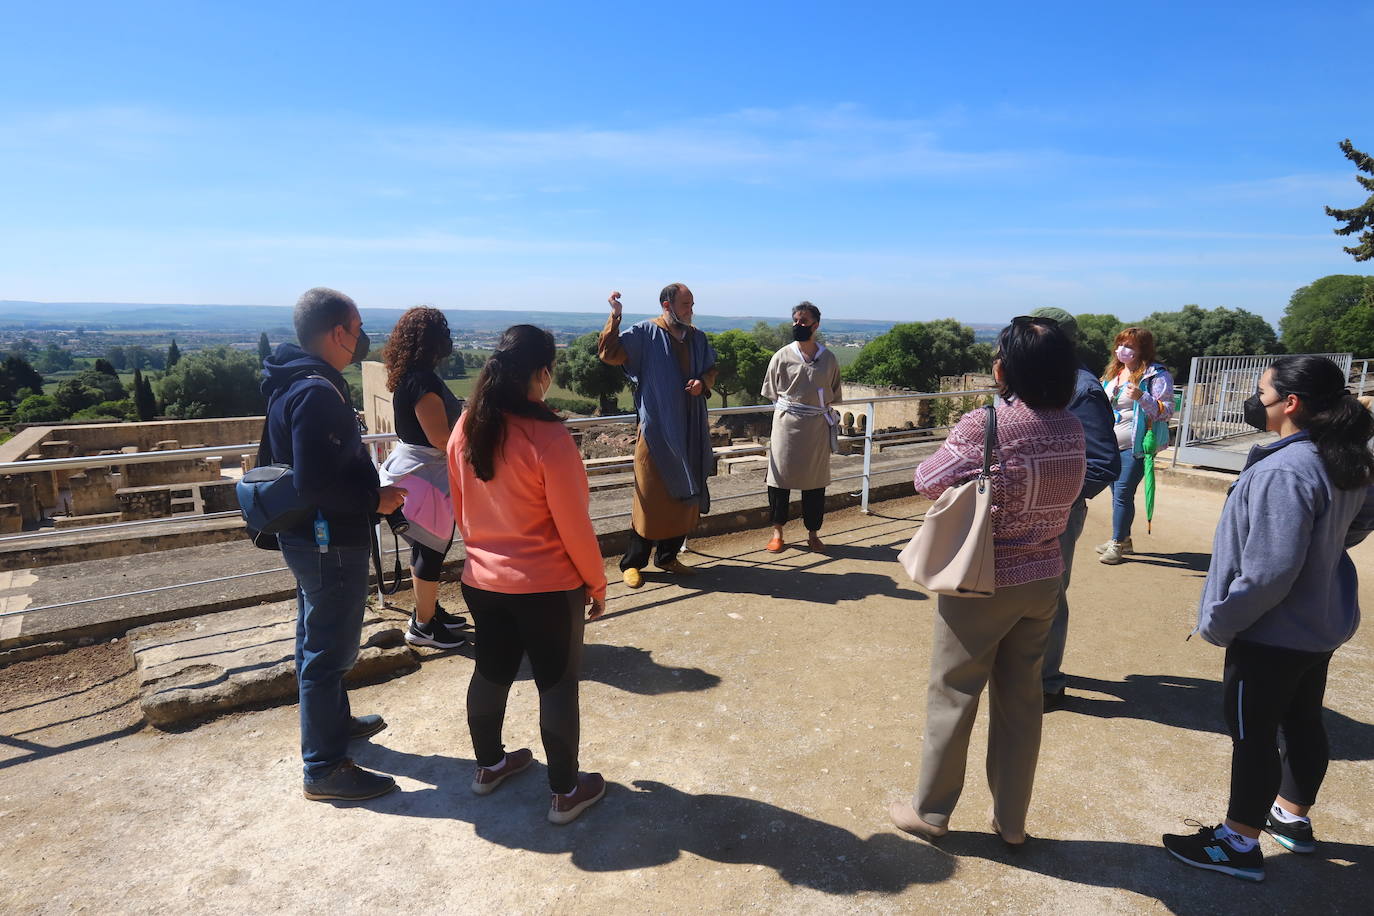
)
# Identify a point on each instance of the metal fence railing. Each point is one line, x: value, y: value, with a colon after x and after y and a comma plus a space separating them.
x: 1213, y: 407
x: 870, y: 438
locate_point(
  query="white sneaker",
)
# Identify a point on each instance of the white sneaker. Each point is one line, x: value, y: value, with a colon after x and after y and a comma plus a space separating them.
x: 1124, y: 547
x: 1112, y: 555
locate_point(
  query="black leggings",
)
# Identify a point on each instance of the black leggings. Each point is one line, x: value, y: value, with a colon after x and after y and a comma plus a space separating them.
x: 813, y: 506
x: 1273, y: 707
x: 426, y: 562
x: 546, y: 626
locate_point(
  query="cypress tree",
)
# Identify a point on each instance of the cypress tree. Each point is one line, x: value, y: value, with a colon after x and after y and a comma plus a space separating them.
x: 264, y: 347
x: 173, y: 354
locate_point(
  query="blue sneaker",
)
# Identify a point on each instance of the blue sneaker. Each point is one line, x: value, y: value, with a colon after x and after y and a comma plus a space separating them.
x: 1205, y: 849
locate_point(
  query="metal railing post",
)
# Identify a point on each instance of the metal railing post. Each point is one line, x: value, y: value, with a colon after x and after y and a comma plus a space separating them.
x: 868, y: 457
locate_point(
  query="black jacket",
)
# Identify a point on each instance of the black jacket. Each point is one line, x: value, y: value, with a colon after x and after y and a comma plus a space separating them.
x: 312, y: 426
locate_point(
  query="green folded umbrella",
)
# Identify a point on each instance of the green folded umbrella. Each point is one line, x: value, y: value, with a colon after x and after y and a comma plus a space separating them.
x: 1148, y: 447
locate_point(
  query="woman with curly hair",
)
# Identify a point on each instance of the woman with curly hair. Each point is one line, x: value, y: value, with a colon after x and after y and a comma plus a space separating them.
x: 425, y: 411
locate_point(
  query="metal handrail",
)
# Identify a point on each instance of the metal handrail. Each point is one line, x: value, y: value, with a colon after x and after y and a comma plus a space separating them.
x: 868, y: 436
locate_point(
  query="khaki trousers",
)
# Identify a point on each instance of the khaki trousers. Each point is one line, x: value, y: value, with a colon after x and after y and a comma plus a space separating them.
x: 997, y: 642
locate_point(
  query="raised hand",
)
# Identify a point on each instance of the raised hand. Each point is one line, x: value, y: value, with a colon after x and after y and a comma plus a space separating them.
x: 614, y: 300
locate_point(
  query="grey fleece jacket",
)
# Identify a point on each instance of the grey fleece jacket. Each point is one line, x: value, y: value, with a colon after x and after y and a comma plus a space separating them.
x: 1280, y: 574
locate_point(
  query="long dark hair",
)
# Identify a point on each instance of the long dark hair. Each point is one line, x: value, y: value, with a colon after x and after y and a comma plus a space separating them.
x: 1038, y: 363
x: 1338, y: 423
x: 503, y: 387
x: 419, y: 340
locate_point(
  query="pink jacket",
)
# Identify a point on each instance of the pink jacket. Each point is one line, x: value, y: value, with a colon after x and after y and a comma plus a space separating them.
x: 527, y: 529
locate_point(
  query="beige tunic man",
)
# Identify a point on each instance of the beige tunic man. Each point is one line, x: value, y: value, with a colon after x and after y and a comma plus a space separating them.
x: 673, y: 367
x: 803, y: 380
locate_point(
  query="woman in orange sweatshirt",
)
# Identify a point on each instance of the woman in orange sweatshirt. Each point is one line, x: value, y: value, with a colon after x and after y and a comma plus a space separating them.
x: 533, y: 563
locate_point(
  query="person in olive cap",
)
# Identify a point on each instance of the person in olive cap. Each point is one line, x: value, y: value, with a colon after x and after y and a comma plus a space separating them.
x: 1090, y: 406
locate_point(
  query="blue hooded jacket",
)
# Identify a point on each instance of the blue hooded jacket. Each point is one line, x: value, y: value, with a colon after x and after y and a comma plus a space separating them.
x: 1280, y: 574
x: 312, y: 427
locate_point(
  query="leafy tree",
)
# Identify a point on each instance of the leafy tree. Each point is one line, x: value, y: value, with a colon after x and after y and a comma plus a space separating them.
x: 105, y: 367
x: 581, y: 370
x: 1195, y: 331
x: 264, y: 347
x: 473, y: 360
x: 74, y: 396
x: 145, y: 402
x: 173, y: 354
x: 452, y: 366
x: 1358, y: 219
x: 17, y: 375
x: 1316, y: 311
x: 143, y: 358
x: 40, y: 408
x: 740, y: 365
x: 772, y: 337
x: 119, y: 411
x: 217, y: 382
x: 107, y: 387
x: 915, y: 355
x: 118, y: 357
x: 1096, y: 335
x: 53, y: 359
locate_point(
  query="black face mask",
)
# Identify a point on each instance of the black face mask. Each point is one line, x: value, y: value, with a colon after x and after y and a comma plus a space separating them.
x: 360, y: 348
x: 801, y: 332
x: 1256, y: 412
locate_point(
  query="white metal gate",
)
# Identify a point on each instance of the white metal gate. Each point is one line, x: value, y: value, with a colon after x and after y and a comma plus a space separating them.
x: 1213, y: 407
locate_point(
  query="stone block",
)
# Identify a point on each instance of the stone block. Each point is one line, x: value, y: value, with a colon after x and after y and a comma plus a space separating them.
x: 86, y: 521
x: 21, y: 490
x: 166, y: 445
x: 92, y: 492
x: 192, y: 669
x: 144, y: 502
x: 11, y: 522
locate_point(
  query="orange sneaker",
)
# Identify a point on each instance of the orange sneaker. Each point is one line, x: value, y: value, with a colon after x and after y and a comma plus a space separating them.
x: 775, y: 545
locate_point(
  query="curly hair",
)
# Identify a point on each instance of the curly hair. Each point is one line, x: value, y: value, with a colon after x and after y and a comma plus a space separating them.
x: 419, y: 340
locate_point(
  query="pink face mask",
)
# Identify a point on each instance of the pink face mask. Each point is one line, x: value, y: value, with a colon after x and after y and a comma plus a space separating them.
x: 1125, y: 354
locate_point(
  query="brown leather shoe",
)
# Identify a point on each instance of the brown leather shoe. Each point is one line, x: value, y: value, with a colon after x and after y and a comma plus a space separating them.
x: 906, y: 819
x: 485, y: 781
x: 677, y: 568
x: 564, y: 809
x: 775, y: 545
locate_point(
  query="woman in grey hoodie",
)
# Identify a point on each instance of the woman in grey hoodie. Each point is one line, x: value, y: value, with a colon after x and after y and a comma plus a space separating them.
x: 1281, y: 597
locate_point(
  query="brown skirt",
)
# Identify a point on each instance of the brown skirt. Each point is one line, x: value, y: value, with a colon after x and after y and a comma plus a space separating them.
x: 657, y: 515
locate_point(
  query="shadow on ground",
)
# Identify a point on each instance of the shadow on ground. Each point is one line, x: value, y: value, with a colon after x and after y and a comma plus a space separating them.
x: 1195, y: 703
x: 1293, y: 883
x: 649, y: 823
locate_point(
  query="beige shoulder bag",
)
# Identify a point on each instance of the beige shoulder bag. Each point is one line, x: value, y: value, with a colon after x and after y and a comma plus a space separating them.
x: 951, y: 553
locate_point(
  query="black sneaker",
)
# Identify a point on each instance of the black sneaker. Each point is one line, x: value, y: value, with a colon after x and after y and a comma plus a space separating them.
x: 1292, y: 837
x: 1205, y: 849
x: 433, y: 634
x: 452, y: 621
x: 365, y: 726
x: 1054, y: 701
x: 348, y: 782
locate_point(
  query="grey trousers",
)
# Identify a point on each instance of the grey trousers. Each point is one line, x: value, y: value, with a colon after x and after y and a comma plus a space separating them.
x: 999, y: 643
x: 1052, y: 674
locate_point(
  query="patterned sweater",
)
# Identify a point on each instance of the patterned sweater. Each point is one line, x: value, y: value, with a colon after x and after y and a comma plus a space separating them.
x: 1037, y: 472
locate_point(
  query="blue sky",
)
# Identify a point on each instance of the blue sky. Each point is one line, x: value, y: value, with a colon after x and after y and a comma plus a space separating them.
x: 886, y: 160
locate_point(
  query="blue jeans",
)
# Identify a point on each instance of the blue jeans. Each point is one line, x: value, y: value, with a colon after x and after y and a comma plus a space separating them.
x: 1123, y: 494
x: 331, y: 592
x: 1051, y: 677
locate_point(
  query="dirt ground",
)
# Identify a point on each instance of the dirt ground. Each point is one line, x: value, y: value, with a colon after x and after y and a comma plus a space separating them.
x: 753, y: 722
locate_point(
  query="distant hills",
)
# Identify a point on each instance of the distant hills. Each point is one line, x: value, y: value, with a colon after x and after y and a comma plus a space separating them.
x: 134, y: 316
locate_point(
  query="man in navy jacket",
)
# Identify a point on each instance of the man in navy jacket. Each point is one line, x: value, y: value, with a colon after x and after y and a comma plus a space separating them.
x: 312, y: 427
x: 1090, y: 406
